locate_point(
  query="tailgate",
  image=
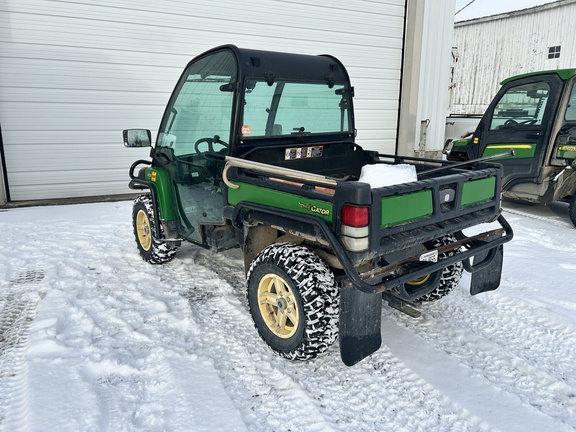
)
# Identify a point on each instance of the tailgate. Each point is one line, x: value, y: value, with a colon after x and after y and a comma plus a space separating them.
x: 412, y: 213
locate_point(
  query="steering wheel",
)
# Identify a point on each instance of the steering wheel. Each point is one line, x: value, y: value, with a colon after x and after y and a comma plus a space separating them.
x: 210, y: 142
x: 511, y: 122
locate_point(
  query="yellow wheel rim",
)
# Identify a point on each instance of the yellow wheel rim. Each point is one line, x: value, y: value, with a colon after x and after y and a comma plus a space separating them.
x: 143, y: 230
x: 278, y: 308
x: 421, y: 280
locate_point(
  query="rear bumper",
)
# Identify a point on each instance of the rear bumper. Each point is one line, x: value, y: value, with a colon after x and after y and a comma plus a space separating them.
x: 395, y: 275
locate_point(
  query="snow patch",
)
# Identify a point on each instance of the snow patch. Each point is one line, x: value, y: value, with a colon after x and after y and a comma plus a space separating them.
x: 380, y: 175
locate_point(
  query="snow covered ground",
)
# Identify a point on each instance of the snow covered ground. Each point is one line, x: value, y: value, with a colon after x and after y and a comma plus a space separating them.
x: 94, y: 339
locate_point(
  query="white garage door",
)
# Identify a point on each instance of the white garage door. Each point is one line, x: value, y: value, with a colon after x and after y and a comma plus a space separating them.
x: 74, y: 74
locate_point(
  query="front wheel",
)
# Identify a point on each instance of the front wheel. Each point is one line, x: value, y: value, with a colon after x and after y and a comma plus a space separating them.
x: 572, y: 209
x: 150, y: 248
x: 293, y: 301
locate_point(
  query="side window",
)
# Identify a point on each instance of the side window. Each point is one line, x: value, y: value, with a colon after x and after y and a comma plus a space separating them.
x: 202, y: 107
x: 570, y: 114
x: 521, y: 105
x: 258, y: 100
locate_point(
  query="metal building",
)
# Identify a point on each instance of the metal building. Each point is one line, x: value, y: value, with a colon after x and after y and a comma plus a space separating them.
x: 493, y: 48
x: 74, y: 74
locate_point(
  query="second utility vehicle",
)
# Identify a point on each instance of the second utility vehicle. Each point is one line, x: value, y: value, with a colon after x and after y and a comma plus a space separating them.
x: 535, y: 115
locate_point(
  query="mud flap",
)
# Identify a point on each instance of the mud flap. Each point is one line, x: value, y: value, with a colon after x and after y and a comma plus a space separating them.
x: 360, y: 322
x: 487, y: 277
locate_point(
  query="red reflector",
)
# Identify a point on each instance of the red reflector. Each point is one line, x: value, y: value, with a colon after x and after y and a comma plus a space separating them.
x: 355, y: 216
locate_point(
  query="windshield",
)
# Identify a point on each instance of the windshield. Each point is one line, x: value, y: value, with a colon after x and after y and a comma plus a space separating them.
x: 200, y: 114
x: 287, y: 108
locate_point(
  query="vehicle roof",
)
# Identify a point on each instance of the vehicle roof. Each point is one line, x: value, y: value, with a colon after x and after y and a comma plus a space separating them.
x: 562, y: 73
x: 280, y: 65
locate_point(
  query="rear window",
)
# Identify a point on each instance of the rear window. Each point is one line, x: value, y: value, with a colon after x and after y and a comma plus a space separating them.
x: 286, y: 108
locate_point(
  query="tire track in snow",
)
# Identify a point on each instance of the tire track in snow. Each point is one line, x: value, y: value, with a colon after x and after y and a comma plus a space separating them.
x: 381, y: 393
x: 521, y: 329
x: 378, y: 394
x: 506, y: 349
x: 125, y: 363
x: 115, y: 334
x: 514, y: 210
x: 18, y: 301
x: 540, y: 340
x: 265, y: 396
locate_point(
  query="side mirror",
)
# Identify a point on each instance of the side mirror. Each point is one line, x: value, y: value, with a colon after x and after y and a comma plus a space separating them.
x: 448, y: 146
x: 137, y: 138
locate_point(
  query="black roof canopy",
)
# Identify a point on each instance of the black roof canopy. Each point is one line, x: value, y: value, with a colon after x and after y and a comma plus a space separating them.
x: 271, y: 65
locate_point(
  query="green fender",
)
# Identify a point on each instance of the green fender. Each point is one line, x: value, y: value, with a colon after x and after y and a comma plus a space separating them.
x: 159, y: 179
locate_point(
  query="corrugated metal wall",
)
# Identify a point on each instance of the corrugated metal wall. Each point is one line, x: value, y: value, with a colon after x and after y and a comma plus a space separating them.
x: 434, y: 80
x: 74, y: 74
x: 494, y: 48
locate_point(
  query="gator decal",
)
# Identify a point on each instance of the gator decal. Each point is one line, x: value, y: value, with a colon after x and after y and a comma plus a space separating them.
x: 314, y: 209
x: 408, y: 207
x: 520, y: 150
x: 159, y: 177
x: 566, y: 152
x: 478, y: 191
x: 283, y: 200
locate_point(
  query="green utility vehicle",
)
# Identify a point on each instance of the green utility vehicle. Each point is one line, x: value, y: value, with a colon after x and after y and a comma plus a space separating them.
x: 535, y: 116
x: 257, y: 150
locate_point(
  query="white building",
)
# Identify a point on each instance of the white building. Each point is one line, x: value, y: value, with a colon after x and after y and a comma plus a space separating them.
x: 493, y: 48
x: 74, y: 74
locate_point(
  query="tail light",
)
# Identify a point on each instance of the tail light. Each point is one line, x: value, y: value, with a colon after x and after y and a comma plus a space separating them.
x: 355, y: 229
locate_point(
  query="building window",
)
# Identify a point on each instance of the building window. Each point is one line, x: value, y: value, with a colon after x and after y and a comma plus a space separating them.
x: 554, y: 52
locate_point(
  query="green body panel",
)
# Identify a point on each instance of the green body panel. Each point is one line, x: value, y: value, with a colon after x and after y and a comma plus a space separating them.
x: 159, y: 178
x: 566, y: 152
x: 398, y: 209
x: 477, y: 191
x: 521, y: 150
x: 283, y: 200
x: 562, y: 73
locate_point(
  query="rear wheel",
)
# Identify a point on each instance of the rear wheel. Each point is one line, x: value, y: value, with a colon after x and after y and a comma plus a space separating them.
x: 151, y: 249
x: 444, y: 281
x: 572, y: 209
x: 293, y: 301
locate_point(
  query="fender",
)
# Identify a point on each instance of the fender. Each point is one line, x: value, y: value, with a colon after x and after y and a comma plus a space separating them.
x: 156, y: 181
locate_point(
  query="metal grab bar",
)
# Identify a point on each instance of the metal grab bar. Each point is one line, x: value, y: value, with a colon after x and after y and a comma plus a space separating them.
x: 271, y: 169
x: 225, y: 177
